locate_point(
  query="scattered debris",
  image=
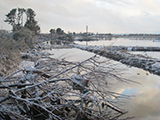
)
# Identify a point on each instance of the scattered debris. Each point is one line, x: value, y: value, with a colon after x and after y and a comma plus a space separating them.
x: 69, y: 90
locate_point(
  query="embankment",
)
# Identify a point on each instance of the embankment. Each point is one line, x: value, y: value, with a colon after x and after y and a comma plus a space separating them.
x: 146, y: 63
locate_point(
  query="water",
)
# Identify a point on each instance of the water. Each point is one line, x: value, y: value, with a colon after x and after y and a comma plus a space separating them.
x: 127, y: 42
x: 70, y: 54
x: 145, y: 105
x: 148, y: 54
x: 122, y: 42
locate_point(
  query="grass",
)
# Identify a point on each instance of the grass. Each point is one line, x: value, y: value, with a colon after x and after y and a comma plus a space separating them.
x: 10, y: 49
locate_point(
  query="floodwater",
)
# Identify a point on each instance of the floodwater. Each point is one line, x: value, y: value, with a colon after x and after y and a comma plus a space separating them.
x: 148, y: 54
x: 145, y: 103
x: 127, y: 42
x: 122, y: 42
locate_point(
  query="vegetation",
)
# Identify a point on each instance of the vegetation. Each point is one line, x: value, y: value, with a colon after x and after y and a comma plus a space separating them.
x: 31, y: 23
x: 15, y: 18
x: 21, y: 39
x: 10, y: 48
x: 52, y: 31
x: 9, y: 56
x: 57, y: 89
x: 24, y: 36
x: 58, y: 31
x: 62, y: 90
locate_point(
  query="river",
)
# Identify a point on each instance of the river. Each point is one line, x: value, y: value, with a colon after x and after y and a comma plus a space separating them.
x: 144, y: 103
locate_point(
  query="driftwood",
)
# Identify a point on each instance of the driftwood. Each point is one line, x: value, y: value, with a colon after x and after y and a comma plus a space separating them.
x: 69, y: 90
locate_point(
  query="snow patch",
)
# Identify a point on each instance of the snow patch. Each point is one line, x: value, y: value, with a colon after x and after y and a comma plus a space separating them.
x: 26, y: 64
x: 129, y: 48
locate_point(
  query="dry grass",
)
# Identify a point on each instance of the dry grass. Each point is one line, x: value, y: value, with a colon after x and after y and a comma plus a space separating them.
x: 25, y: 38
x: 10, y: 49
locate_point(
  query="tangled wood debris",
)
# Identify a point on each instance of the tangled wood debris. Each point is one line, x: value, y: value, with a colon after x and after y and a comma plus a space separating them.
x: 67, y: 90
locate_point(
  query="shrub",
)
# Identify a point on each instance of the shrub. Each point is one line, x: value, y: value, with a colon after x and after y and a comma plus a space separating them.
x: 24, y: 36
x: 10, y: 48
x: 9, y: 56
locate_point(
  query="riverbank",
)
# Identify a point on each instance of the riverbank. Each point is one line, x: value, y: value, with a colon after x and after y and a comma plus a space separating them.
x: 48, y: 88
x: 146, y: 63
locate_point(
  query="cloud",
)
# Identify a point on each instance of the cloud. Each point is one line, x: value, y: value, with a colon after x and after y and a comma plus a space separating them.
x: 114, y: 16
x: 119, y: 2
x: 149, y: 5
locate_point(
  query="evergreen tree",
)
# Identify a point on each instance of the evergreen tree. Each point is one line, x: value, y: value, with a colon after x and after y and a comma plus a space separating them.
x: 11, y: 18
x: 31, y: 23
x: 15, y: 18
x: 52, y: 31
x: 58, y: 31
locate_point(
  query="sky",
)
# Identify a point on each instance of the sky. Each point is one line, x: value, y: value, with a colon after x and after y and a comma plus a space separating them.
x: 101, y: 16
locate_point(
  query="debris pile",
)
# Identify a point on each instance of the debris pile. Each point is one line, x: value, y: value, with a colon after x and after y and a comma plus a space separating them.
x: 61, y: 90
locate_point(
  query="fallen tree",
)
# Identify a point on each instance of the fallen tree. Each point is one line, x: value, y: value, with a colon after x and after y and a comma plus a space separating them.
x: 67, y: 90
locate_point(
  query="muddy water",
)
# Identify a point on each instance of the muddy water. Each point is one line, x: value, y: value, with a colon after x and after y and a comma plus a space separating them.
x: 145, y: 103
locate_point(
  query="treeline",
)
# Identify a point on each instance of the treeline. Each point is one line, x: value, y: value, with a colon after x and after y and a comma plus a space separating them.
x: 57, y: 31
x: 22, y: 38
x: 16, y: 19
x: 24, y: 26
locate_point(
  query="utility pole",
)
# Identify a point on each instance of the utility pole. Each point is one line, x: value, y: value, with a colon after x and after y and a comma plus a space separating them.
x: 86, y: 29
x: 86, y: 34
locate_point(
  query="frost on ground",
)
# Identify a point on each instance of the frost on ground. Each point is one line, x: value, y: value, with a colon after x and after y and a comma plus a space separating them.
x: 10, y: 46
x: 9, y: 56
x: 62, y: 90
x: 26, y: 64
x: 119, y: 54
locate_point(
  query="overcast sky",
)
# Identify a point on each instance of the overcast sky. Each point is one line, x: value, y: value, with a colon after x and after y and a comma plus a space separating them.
x: 102, y: 16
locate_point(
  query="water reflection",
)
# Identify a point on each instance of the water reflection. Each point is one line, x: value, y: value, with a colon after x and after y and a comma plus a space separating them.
x: 122, y: 42
x: 144, y: 103
x: 70, y: 54
x: 148, y: 54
